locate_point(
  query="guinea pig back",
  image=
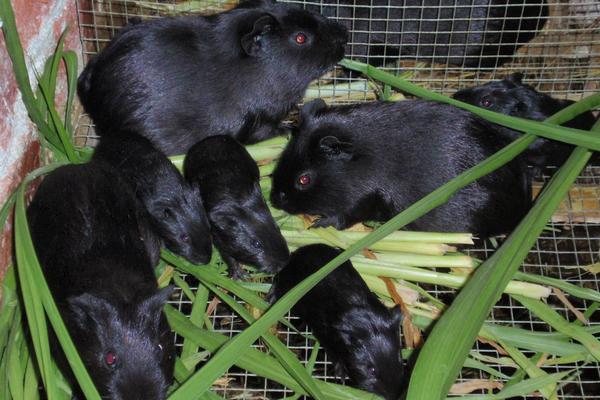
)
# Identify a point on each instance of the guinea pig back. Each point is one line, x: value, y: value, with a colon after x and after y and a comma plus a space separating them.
x: 242, y: 226
x: 171, y: 78
x: 358, y: 332
x: 368, y: 162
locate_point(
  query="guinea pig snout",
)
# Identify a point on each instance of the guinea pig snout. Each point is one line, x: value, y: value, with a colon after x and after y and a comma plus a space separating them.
x: 279, y: 199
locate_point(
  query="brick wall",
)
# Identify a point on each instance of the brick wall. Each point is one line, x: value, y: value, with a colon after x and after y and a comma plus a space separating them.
x: 40, y: 23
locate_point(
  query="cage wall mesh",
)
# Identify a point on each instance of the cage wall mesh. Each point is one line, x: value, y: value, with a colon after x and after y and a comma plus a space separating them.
x: 563, y: 59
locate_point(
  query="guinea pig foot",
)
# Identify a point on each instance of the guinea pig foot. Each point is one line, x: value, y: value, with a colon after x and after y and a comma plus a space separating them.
x: 323, y: 222
x: 235, y: 270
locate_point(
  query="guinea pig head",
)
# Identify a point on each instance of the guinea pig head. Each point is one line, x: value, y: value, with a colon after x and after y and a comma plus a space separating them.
x: 375, y: 364
x: 499, y: 96
x: 314, y: 171
x: 180, y: 219
x: 305, y: 42
x: 127, y: 349
x: 246, y: 231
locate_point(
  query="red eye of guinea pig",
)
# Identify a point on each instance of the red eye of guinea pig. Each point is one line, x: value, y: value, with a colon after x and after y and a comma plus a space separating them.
x: 304, y: 180
x: 486, y: 102
x: 300, y: 38
x: 110, y: 358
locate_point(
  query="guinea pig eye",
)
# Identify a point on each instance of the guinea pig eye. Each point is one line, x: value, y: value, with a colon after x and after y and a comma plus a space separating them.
x: 167, y: 213
x: 304, y: 180
x: 160, y: 347
x: 371, y: 370
x: 256, y: 244
x: 300, y: 38
x: 110, y: 359
x: 485, y: 102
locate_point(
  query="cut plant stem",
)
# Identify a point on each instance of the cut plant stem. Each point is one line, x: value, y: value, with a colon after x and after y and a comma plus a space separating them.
x: 372, y: 267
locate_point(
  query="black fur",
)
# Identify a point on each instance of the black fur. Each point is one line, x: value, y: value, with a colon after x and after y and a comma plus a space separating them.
x: 175, y: 208
x: 358, y: 332
x: 242, y: 226
x: 471, y: 33
x: 98, y: 253
x: 181, y: 79
x: 511, y: 96
x: 371, y: 161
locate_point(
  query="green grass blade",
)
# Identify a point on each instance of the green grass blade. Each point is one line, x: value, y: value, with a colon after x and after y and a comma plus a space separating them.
x: 15, y: 51
x: 70, y: 60
x: 545, y: 129
x: 552, y: 318
x: 581, y: 292
x: 443, y: 354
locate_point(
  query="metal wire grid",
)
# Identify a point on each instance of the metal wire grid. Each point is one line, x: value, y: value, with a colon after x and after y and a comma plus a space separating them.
x: 563, y: 59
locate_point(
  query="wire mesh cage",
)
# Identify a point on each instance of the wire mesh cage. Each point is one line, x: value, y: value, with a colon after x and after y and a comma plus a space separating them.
x: 558, y: 50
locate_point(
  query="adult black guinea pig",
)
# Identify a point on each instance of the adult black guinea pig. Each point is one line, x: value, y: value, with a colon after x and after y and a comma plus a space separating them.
x: 98, y: 253
x: 175, y: 208
x: 242, y: 226
x: 480, y: 33
x: 358, y: 332
x: 370, y: 161
x: 512, y: 97
x: 181, y: 79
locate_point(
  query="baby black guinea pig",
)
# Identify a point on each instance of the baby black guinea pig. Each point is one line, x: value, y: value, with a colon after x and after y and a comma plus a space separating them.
x: 368, y: 162
x: 98, y: 254
x: 242, y: 226
x: 483, y: 33
x: 239, y: 72
x: 357, y: 331
x: 175, y: 208
x: 512, y: 97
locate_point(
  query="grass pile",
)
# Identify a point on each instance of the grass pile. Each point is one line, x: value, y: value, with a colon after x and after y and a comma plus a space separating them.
x: 395, y: 264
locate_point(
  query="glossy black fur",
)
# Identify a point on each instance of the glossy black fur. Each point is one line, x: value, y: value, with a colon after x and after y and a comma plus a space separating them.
x: 358, y: 332
x: 98, y: 254
x: 371, y: 161
x: 242, y: 226
x: 511, y: 96
x: 175, y: 208
x: 471, y: 33
x: 181, y: 79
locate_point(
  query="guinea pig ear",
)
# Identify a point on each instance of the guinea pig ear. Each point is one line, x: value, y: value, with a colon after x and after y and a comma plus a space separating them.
x: 251, y: 41
x: 311, y: 108
x: 396, y: 314
x: 87, y: 307
x: 515, y: 78
x: 334, y: 149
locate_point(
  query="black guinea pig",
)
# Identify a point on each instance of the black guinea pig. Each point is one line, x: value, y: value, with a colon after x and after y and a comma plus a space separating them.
x: 98, y: 253
x: 370, y: 161
x: 181, y: 79
x: 512, y: 97
x: 242, y: 226
x: 359, y: 333
x: 175, y: 208
x: 481, y: 33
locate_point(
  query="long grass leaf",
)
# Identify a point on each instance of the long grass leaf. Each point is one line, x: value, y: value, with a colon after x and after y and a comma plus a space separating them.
x: 552, y: 318
x: 545, y: 129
